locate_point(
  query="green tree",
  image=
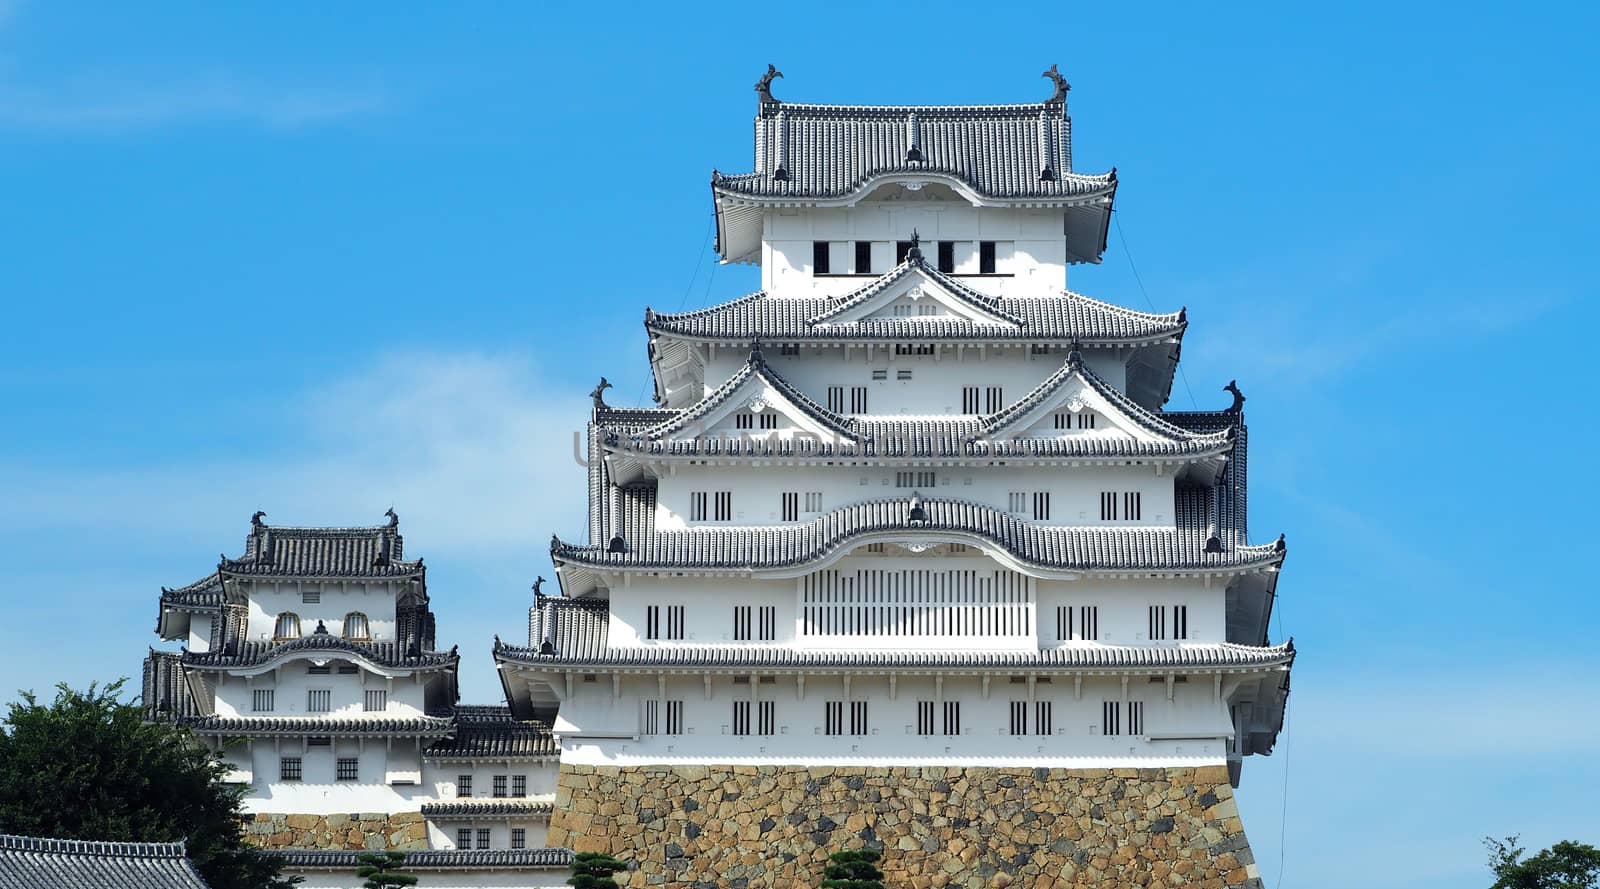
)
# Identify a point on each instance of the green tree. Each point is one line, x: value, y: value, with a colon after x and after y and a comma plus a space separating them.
x: 382, y: 870
x: 1566, y: 865
x: 89, y: 767
x: 853, y: 869
x: 593, y: 870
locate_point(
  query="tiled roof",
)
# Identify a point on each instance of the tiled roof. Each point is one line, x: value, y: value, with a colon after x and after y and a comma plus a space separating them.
x: 1070, y: 317
x: 204, y: 594
x: 386, y: 654
x: 1084, y: 656
x: 412, y: 726
x: 167, y: 695
x: 1123, y: 548
x: 1001, y: 151
x: 755, y: 368
x: 430, y: 859
x: 487, y: 732
x: 283, y: 551
x: 487, y: 808
x: 928, y: 437
x: 569, y: 625
x: 37, y: 863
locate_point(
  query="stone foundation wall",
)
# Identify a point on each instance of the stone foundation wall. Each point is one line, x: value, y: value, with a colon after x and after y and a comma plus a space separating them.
x: 772, y: 827
x: 373, y: 831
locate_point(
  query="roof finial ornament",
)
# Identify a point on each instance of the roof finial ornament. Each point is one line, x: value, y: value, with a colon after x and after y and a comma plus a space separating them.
x: 599, y: 393
x: 617, y: 544
x: 537, y: 583
x: 919, y: 513
x: 915, y: 253
x: 756, y: 357
x: 1238, y: 397
x: 255, y: 520
x: 322, y: 629
x: 1075, y: 353
x: 555, y: 543
x: 764, y: 85
x: 394, y: 517
x: 1061, y: 86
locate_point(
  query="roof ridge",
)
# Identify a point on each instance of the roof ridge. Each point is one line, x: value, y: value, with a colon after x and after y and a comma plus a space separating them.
x: 118, y: 848
x: 1180, y: 315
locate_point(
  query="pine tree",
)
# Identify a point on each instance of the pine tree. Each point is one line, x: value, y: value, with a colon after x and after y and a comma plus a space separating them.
x: 593, y: 870
x: 382, y: 870
x: 853, y: 869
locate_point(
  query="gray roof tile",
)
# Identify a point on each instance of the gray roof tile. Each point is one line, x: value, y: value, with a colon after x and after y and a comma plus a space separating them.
x: 484, y: 808
x: 431, y: 859
x: 489, y: 732
x: 299, y: 726
x: 38, y: 863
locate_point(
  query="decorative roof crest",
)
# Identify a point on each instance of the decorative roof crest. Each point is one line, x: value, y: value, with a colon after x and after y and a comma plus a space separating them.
x: 915, y: 253
x: 599, y: 393
x: 764, y: 85
x: 1238, y: 397
x: 1061, y: 85
x: 255, y: 520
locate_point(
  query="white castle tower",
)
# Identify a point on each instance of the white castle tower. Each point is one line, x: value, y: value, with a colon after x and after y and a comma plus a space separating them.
x: 310, y: 663
x: 910, y: 555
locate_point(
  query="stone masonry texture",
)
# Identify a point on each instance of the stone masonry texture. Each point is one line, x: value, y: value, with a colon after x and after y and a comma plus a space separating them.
x: 375, y: 831
x: 772, y: 827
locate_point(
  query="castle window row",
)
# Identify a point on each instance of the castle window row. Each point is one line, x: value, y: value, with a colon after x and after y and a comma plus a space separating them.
x: 951, y: 257
x: 287, y: 626
x: 857, y: 402
x: 850, y: 718
x: 518, y: 785
x: 466, y: 835
x: 319, y: 700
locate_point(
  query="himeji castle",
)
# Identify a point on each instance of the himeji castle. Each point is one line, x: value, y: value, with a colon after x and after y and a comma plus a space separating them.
x: 910, y: 554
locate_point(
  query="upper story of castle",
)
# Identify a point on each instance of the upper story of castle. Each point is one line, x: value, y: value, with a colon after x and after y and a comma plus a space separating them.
x: 837, y: 192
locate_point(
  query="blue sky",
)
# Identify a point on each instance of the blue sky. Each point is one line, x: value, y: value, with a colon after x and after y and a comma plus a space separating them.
x: 320, y: 260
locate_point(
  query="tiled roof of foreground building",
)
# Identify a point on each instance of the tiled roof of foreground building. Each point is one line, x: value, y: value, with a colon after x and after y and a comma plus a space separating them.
x: 1067, y: 318
x: 1179, y: 548
x: 490, y: 732
x: 37, y: 863
x: 316, y: 726
x: 386, y: 654
x: 485, y: 808
x: 430, y: 859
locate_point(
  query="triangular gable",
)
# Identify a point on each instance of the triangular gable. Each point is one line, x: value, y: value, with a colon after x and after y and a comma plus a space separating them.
x: 913, y: 282
x: 1074, y: 388
x: 758, y: 388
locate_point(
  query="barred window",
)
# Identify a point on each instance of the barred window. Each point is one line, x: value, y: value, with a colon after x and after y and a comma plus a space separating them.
x: 319, y: 669
x: 499, y: 785
x: 289, y: 768
x: 858, y: 717
x: 674, y: 717
x: 355, y: 626
x: 1136, y: 717
x: 310, y: 597
x: 519, y: 785
x: 924, y: 717
x: 377, y: 700
x: 722, y: 506
x: 833, y: 717
x: 654, y: 629
x: 1157, y: 622
x: 652, y: 717
x: 519, y: 838
x: 261, y: 700
x: 766, y: 718
x: 463, y: 838
x: 836, y: 399
x: 915, y: 479
x: 463, y: 785
x: 1019, y: 717
x: 858, y: 399
x: 287, y: 626
x: 969, y: 399
x: 741, y: 717
x: 483, y: 838
x: 994, y: 399
x: 319, y: 700
x: 952, y: 717
x: 1041, y: 506
x: 697, y: 506
x: 1111, y: 718
x: 1043, y: 723
x: 813, y: 501
x: 789, y: 503
x: 346, y: 768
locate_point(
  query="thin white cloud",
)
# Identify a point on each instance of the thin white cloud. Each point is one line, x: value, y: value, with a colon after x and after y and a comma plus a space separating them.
x: 105, y: 102
x: 472, y: 450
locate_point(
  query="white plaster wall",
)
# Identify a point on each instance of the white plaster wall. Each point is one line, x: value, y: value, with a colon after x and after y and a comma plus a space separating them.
x: 1077, y: 740
x: 269, y: 598
x: 291, y: 682
x: 1037, y: 263
x: 444, y: 778
x: 1074, y: 491
x: 936, y: 380
x: 318, y: 793
x: 442, y: 834
x: 200, y: 632
x: 709, y: 603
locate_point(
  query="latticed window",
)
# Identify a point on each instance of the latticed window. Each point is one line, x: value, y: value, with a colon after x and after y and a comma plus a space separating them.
x: 463, y: 785
x: 346, y: 768
x: 289, y: 768
x: 319, y: 700
x: 519, y: 838
x: 287, y: 627
x: 1043, y: 718
x: 261, y: 700
x: 674, y: 717
x: 500, y: 785
x: 519, y: 785
x: 463, y: 838
x: 377, y: 700
x: 767, y: 718
x: 355, y: 626
x: 952, y: 717
x: 483, y: 838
